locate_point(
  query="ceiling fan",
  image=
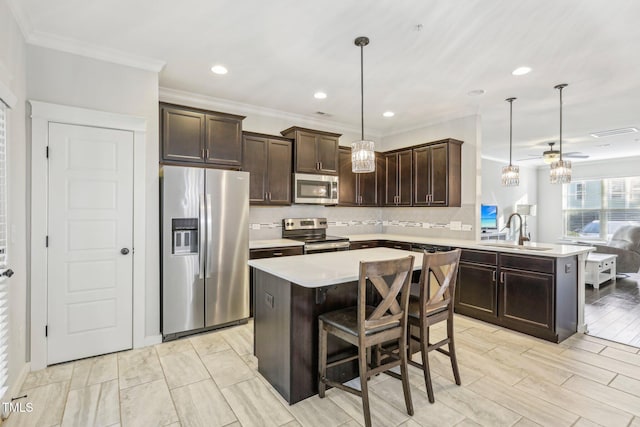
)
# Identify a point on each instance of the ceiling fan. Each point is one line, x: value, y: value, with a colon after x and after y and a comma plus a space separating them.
x: 549, y: 156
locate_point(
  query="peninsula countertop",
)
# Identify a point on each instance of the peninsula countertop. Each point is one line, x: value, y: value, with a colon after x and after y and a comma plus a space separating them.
x: 328, y: 268
x: 529, y: 248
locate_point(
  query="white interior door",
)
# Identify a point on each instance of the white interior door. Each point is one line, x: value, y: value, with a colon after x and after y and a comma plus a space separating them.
x: 90, y: 235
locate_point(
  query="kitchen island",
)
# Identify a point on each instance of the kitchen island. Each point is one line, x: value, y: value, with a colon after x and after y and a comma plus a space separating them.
x: 290, y: 293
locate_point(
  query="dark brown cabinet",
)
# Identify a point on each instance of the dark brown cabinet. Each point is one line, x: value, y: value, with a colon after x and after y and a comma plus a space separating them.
x: 314, y: 151
x: 534, y: 295
x: 397, y: 245
x: 190, y: 135
x: 357, y: 189
x: 365, y: 244
x: 268, y: 160
x: 397, y: 178
x: 477, y: 287
x: 437, y: 174
x: 268, y: 253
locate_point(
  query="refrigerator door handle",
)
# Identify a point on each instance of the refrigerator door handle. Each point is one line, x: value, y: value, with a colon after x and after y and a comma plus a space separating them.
x: 209, y: 237
x: 202, y: 240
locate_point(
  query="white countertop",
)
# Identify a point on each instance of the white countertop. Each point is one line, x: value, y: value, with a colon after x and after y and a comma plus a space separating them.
x: 273, y: 243
x: 550, y: 249
x: 529, y: 248
x: 328, y: 268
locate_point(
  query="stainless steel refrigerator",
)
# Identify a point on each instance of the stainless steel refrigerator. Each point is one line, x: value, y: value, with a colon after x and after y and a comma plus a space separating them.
x: 205, y: 248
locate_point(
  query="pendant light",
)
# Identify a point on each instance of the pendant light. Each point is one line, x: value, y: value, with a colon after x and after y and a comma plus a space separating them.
x: 363, y: 156
x: 511, y: 173
x: 561, y: 169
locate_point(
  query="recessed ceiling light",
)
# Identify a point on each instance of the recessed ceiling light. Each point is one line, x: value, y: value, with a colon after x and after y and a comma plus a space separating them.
x: 521, y: 71
x: 388, y: 114
x: 476, y: 92
x: 219, y: 69
x: 319, y: 95
x: 613, y: 132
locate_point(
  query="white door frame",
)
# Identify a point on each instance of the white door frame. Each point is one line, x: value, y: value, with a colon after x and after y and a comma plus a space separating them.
x: 42, y: 114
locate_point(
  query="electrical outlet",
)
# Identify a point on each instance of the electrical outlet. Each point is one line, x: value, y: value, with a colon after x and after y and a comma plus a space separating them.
x: 269, y: 300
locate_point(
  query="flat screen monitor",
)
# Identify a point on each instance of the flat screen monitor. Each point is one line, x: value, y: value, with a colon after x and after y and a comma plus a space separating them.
x: 489, y: 217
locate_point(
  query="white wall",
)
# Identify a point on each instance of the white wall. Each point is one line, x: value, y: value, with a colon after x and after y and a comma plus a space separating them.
x: 550, y: 195
x: 12, y: 75
x: 494, y: 193
x: 68, y: 79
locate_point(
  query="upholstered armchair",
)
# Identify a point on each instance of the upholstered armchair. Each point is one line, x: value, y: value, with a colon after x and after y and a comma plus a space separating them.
x: 625, y: 243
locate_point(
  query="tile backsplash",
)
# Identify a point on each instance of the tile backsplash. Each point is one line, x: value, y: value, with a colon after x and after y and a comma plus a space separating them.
x: 266, y: 222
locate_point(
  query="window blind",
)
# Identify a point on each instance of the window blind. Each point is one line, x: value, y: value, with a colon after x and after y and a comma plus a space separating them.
x: 4, y: 291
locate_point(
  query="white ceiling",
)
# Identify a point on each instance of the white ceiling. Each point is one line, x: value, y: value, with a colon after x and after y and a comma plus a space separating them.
x: 280, y: 52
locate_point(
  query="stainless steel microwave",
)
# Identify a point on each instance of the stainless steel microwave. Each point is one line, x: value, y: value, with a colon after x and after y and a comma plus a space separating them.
x: 315, y: 189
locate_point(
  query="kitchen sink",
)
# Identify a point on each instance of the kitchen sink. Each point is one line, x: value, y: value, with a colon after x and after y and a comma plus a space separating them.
x: 512, y: 246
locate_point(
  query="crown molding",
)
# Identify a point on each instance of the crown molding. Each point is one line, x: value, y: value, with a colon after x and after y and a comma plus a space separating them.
x: 20, y: 17
x: 69, y: 45
x: 78, y: 47
x: 176, y: 96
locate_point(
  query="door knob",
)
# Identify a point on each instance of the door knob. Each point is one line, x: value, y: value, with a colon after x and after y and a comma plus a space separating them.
x: 124, y: 251
x: 7, y: 273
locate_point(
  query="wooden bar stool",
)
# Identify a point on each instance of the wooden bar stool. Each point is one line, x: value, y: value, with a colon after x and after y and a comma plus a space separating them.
x: 433, y: 305
x: 365, y: 326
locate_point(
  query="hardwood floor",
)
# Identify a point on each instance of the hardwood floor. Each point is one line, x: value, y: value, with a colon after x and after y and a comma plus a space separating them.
x: 508, y: 379
x: 613, y: 311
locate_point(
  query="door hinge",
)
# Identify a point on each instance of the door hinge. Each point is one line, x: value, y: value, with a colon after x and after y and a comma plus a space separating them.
x: 46, y: 330
x: 46, y: 242
x: 47, y: 151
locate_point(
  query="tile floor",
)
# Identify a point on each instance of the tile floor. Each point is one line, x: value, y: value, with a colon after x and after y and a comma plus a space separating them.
x: 613, y: 311
x: 508, y: 379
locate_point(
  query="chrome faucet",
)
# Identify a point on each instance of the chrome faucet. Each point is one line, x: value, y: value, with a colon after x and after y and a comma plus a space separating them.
x: 521, y: 238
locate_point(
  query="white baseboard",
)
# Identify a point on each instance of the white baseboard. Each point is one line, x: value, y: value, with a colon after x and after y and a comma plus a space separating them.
x: 152, y: 340
x: 14, y: 389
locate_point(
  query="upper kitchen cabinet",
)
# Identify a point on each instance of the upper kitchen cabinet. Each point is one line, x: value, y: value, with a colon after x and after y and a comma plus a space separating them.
x: 314, y: 151
x: 268, y: 160
x: 190, y: 135
x: 357, y: 189
x: 397, y: 178
x: 436, y: 173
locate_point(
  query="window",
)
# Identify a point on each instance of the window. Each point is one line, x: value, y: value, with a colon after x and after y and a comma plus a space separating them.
x: 595, y: 209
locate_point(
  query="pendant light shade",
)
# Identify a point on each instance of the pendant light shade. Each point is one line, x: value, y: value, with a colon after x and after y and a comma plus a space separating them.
x: 363, y: 156
x: 560, y: 169
x: 511, y: 173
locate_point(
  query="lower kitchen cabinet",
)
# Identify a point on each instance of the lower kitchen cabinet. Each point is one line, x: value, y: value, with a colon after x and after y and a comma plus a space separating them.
x: 527, y: 300
x: 269, y: 253
x: 477, y: 287
x: 364, y: 244
x: 397, y: 245
x: 533, y: 295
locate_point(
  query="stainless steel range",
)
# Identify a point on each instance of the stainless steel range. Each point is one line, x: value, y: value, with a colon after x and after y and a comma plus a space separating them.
x: 313, y: 232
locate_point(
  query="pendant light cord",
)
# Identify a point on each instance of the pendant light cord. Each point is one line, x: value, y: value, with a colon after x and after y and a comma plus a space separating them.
x: 362, y: 89
x: 560, y: 87
x: 510, y: 101
x: 561, y: 123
